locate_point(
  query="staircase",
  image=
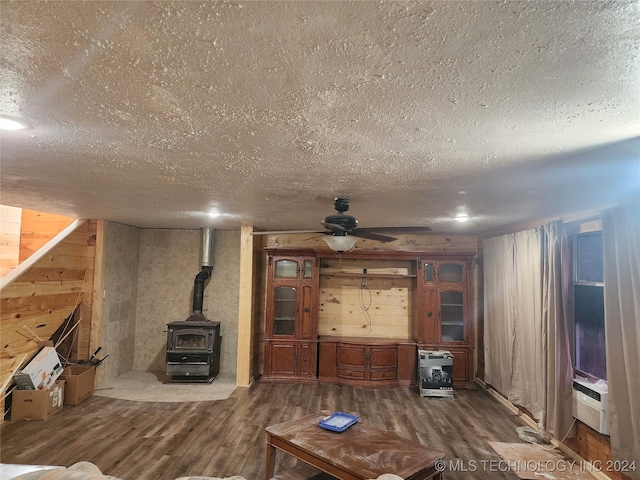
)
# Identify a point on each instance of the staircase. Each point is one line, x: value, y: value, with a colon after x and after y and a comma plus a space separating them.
x: 51, y: 278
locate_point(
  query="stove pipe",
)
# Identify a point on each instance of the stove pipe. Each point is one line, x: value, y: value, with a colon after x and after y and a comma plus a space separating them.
x: 206, y: 260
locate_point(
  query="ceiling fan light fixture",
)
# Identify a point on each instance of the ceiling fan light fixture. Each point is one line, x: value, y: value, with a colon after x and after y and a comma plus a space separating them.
x: 340, y: 243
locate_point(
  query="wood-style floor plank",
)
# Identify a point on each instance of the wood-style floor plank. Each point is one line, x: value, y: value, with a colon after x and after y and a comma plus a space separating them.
x: 163, y: 441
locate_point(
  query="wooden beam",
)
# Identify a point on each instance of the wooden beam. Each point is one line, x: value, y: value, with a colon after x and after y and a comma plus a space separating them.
x: 95, y: 335
x: 243, y: 371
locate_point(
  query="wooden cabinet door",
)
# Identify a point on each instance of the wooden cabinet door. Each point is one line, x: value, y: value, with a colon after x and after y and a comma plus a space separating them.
x: 382, y: 362
x: 290, y: 359
x: 305, y: 312
x: 407, y: 364
x: 460, y: 366
x: 382, y: 357
x: 352, y: 360
x: 282, y: 359
x: 428, y: 326
x: 327, y: 361
x: 305, y: 360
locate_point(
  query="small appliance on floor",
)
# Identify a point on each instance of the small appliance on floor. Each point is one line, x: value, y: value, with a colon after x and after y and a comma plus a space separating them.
x: 435, y: 373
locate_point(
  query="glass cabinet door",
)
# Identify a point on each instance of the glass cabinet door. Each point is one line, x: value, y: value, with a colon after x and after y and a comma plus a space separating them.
x: 443, y: 272
x: 452, y: 316
x: 307, y: 271
x: 284, y: 313
x: 286, y: 269
x: 428, y: 272
x: 451, y: 273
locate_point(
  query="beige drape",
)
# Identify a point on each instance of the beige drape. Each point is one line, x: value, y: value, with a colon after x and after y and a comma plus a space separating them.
x: 527, y: 353
x: 499, y: 310
x: 621, y: 242
x: 514, y: 363
x: 557, y: 321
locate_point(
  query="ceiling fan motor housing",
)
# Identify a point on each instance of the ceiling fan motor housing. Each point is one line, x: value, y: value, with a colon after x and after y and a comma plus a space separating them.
x: 344, y: 223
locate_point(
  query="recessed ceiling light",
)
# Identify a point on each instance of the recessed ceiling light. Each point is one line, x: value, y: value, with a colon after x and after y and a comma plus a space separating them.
x: 214, y: 214
x: 11, y: 124
x: 462, y: 217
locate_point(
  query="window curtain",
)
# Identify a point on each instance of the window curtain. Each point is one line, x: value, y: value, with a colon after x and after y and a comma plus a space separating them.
x: 527, y: 349
x: 558, y: 322
x: 513, y: 335
x: 499, y: 311
x: 621, y: 243
x: 527, y: 382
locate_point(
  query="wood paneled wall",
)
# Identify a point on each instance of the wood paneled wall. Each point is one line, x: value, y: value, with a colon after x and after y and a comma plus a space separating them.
x: 417, y: 242
x: 37, y: 228
x: 10, y: 219
x: 381, y: 308
x: 596, y: 448
x: 34, y: 306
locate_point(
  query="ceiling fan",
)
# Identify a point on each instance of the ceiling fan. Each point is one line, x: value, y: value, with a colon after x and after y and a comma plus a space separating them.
x: 342, y: 230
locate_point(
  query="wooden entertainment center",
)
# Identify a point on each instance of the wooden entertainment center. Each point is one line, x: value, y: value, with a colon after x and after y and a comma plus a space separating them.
x: 359, y: 317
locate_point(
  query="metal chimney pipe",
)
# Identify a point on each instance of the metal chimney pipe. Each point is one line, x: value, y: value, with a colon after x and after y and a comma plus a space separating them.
x: 206, y: 253
x: 206, y: 260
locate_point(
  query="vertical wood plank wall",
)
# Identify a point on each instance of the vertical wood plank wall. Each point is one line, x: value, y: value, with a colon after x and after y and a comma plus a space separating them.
x: 10, y: 219
x: 594, y: 447
x: 37, y: 228
x: 35, y: 305
x: 381, y: 308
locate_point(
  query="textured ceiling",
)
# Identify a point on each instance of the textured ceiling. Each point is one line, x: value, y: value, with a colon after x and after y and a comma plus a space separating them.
x: 153, y: 113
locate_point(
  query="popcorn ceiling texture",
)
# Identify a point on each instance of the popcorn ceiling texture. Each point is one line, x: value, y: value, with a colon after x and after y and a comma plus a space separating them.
x: 152, y: 113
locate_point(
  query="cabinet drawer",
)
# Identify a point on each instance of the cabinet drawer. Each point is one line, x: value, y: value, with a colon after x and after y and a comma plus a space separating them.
x: 382, y: 375
x: 349, y: 373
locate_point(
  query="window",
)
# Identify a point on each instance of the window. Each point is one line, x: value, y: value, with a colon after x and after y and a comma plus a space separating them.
x: 588, y: 305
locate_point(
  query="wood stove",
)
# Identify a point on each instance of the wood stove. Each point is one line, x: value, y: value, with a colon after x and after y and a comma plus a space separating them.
x: 193, y: 345
x: 193, y: 349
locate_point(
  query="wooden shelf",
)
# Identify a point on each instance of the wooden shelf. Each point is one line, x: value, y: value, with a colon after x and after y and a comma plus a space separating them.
x: 368, y: 276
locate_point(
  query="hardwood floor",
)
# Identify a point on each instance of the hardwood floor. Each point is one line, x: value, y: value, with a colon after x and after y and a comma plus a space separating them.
x: 163, y: 441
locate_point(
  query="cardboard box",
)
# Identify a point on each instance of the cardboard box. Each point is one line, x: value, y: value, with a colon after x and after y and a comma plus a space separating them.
x: 80, y: 383
x: 41, y: 372
x: 37, y: 404
x: 435, y: 373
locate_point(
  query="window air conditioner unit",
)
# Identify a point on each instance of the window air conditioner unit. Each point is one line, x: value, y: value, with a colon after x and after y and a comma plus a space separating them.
x: 590, y: 405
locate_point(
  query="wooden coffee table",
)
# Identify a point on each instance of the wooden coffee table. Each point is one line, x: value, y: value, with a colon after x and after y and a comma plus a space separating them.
x: 359, y: 453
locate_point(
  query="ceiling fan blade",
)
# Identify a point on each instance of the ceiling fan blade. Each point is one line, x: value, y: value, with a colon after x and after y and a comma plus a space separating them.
x: 316, y: 236
x: 286, y: 232
x: 334, y: 227
x: 370, y: 235
x: 400, y: 230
